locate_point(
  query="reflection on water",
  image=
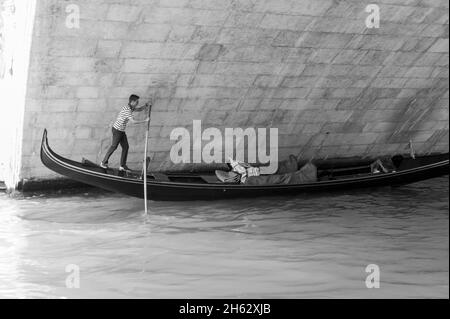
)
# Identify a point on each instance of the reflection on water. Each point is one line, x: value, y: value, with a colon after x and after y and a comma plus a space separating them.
x: 282, y: 247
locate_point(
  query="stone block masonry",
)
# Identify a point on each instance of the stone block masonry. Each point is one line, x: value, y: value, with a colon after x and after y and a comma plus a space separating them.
x: 309, y: 67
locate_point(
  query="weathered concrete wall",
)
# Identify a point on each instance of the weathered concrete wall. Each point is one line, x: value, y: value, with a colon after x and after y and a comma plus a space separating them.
x: 16, y: 33
x: 311, y: 68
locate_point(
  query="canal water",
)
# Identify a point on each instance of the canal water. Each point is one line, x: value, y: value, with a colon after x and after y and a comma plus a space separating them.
x: 92, y: 244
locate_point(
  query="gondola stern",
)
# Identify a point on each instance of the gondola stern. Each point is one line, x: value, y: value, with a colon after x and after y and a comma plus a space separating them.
x: 44, y: 147
x: 44, y: 138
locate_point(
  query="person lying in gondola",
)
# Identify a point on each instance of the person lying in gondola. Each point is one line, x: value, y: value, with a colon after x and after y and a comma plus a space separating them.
x: 118, y: 131
x: 287, y: 173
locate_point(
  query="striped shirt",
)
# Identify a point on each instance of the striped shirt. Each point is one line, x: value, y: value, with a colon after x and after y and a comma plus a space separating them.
x: 122, y: 119
x: 244, y: 169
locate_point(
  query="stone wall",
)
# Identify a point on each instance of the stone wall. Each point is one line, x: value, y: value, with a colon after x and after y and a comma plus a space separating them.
x: 16, y: 33
x: 311, y: 68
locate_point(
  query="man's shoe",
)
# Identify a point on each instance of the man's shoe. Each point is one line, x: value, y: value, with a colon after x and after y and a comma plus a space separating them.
x: 124, y: 168
x: 104, y: 165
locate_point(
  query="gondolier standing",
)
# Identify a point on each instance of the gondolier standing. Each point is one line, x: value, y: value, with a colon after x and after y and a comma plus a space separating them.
x: 118, y: 131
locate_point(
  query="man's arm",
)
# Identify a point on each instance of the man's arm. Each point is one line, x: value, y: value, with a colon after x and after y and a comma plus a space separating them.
x: 141, y: 108
x: 145, y: 106
x: 134, y: 121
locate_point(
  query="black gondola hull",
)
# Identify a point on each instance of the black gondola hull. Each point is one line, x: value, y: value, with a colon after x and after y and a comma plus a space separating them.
x: 426, y: 168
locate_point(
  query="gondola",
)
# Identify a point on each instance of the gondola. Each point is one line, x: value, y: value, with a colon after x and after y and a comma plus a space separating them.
x: 175, y: 186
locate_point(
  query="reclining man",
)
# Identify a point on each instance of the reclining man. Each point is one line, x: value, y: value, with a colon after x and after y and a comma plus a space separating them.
x: 288, y: 173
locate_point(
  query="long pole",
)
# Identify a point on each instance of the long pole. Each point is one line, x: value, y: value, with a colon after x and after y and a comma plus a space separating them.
x: 145, y: 159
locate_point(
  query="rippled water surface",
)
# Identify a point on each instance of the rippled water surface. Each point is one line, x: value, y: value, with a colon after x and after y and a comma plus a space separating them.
x: 282, y: 247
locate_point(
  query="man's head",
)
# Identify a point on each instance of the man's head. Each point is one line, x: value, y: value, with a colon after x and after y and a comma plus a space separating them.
x: 133, y: 101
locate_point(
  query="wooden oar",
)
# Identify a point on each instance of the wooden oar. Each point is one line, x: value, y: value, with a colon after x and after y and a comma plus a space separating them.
x: 145, y: 158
